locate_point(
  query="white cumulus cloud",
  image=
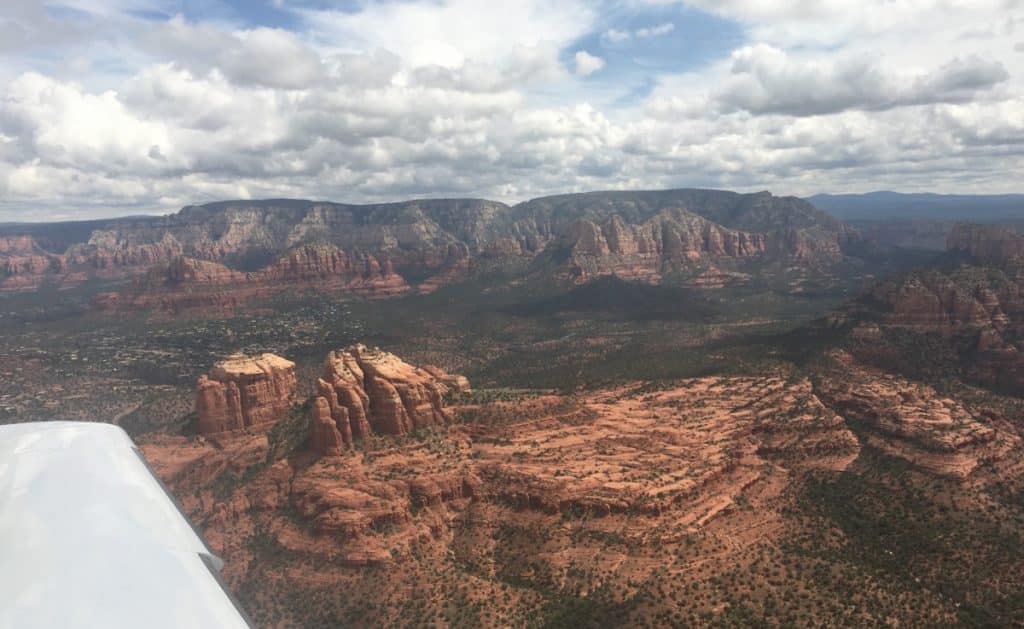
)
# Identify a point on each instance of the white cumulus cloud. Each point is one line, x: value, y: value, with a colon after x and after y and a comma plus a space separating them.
x: 587, y: 64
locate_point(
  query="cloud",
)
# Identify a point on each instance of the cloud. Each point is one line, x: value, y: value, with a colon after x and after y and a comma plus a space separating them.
x: 263, y: 56
x: 60, y: 124
x: 126, y: 114
x: 766, y: 80
x: 617, y: 36
x: 655, y: 31
x: 454, y: 34
x: 587, y: 64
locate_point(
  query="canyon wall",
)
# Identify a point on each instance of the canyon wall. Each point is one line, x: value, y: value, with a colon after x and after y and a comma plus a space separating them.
x: 388, y: 249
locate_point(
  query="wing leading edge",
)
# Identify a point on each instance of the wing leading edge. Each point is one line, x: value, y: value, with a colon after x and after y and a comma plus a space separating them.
x: 89, y: 537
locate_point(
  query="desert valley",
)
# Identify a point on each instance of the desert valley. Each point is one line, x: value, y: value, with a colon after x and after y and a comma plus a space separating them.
x: 672, y: 408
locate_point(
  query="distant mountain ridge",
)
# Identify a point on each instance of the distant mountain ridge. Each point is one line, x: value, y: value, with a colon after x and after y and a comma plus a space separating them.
x: 423, y: 244
x: 885, y: 205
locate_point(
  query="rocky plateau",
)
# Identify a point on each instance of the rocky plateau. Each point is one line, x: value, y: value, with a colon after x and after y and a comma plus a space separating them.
x: 390, y: 463
x: 224, y: 254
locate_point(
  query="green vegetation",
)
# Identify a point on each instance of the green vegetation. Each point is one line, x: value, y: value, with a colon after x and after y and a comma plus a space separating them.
x: 923, y: 537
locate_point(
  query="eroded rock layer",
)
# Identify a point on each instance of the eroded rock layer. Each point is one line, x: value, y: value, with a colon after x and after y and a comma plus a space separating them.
x: 972, y: 306
x: 254, y: 248
x: 987, y: 242
x: 911, y: 420
x: 600, y: 490
x: 244, y: 391
x: 367, y: 390
x: 681, y: 456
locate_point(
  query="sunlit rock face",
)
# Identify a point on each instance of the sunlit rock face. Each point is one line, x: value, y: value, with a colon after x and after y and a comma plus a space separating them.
x: 366, y: 390
x: 244, y: 391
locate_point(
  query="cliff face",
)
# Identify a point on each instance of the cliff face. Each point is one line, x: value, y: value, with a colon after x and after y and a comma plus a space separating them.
x: 22, y: 260
x: 964, y: 299
x: 187, y: 283
x: 985, y: 294
x: 643, y: 251
x: 245, y: 391
x: 366, y: 390
x: 386, y: 249
x: 976, y: 306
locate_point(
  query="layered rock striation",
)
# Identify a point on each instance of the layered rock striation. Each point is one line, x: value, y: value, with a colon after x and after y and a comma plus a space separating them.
x: 909, y: 419
x: 244, y: 391
x: 365, y: 390
x: 387, y: 249
x: 187, y: 283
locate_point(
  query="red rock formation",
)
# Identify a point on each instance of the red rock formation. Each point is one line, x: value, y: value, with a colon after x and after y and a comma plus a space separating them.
x: 329, y: 267
x: 323, y: 431
x: 190, y: 272
x: 341, y: 247
x: 908, y: 419
x: 17, y: 245
x: 979, y: 306
x: 24, y: 265
x: 245, y: 391
x: 644, y: 251
x: 218, y: 405
x: 455, y: 382
x: 937, y: 302
x: 189, y: 283
x: 367, y: 389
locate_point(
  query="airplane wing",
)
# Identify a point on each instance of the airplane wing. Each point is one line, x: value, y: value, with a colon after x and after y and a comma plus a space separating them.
x: 89, y: 537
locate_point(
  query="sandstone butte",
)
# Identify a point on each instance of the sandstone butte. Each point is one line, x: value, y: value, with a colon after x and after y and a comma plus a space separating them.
x: 361, y: 391
x: 366, y: 390
x: 244, y: 391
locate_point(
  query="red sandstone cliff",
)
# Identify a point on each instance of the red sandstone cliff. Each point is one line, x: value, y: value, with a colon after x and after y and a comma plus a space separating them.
x: 244, y: 391
x: 677, y: 238
x: 363, y: 390
x: 975, y: 304
x: 378, y: 249
x: 187, y: 283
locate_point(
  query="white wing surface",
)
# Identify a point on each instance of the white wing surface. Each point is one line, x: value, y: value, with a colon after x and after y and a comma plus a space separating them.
x: 89, y: 537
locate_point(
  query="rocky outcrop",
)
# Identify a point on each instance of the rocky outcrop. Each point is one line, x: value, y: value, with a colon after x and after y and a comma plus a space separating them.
x: 908, y: 419
x: 676, y: 459
x: 674, y: 237
x: 244, y: 391
x: 24, y: 264
x: 190, y: 272
x: 973, y: 301
x: 945, y: 303
x: 328, y: 267
x: 188, y: 283
x: 367, y: 390
x: 325, y: 439
x: 678, y: 238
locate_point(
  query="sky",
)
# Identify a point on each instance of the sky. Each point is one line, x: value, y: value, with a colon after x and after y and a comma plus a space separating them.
x: 116, y: 107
